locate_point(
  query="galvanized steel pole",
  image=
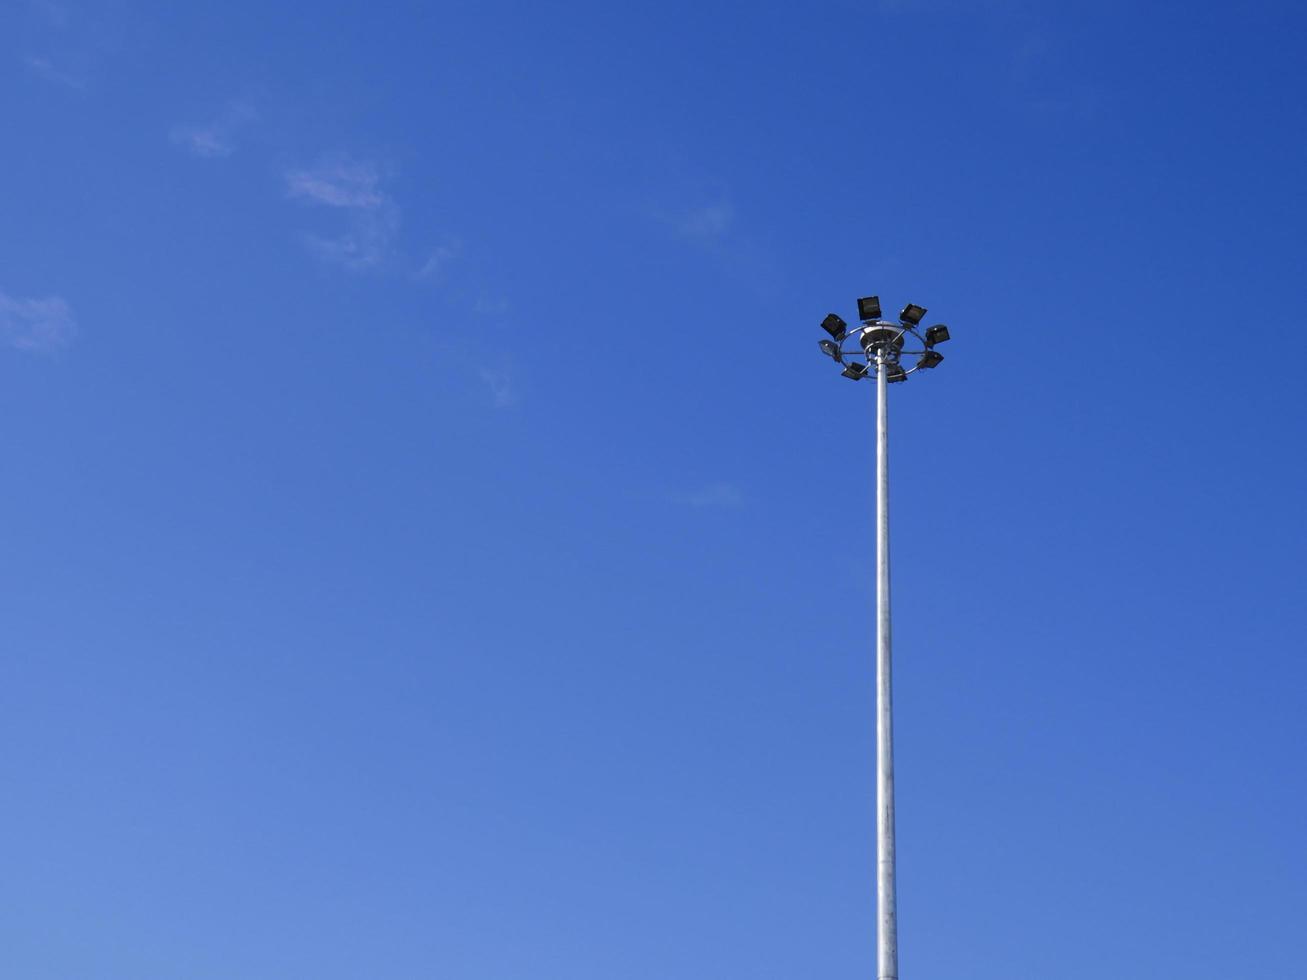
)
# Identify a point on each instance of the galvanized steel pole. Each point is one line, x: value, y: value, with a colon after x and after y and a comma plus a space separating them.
x: 883, y: 343
x: 887, y: 932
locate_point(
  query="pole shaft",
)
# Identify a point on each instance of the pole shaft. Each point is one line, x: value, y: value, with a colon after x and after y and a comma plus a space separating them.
x: 887, y: 939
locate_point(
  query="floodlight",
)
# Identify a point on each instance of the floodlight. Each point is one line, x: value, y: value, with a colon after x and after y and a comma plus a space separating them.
x: 912, y: 313
x: 869, y: 308
x: 930, y: 359
x: 896, y: 373
x: 830, y: 348
x: 936, y: 335
x: 834, y: 326
x: 855, y: 370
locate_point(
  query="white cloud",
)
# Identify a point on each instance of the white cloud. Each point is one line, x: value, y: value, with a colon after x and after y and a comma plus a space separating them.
x: 217, y: 138
x: 491, y: 304
x: 367, y: 243
x: 503, y: 393
x: 718, y: 494
x: 37, y: 325
x: 707, y: 223
x: 354, y: 188
x: 55, y: 14
x: 43, y: 68
x: 434, y: 267
x: 68, y: 44
x: 339, y: 184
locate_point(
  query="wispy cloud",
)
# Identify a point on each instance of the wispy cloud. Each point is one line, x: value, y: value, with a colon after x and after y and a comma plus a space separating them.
x: 433, y: 267
x: 341, y: 183
x: 354, y: 188
x: 366, y: 245
x: 491, y: 304
x: 709, y: 223
x: 36, y: 325
x: 54, y: 14
x: 503, y: 393
x: 69, y: 44
x: 216, y: 138
x: 719, y: 494
x: 44, y: 68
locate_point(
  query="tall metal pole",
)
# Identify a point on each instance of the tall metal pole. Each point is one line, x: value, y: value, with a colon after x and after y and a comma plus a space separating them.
x: 883, y: 343
x: 887, y: 931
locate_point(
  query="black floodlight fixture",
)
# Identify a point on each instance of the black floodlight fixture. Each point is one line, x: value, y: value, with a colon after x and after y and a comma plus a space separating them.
x: 854, y: 370
x: 869, y: 308
x: 936, y: 335
x: 829, y: 348
x: 896, y: 373
x: 930, y: 359
x: 912, y: 313
x: 834, y: 326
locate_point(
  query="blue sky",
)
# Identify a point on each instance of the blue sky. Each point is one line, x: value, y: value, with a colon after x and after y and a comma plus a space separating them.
x: 433, y: 545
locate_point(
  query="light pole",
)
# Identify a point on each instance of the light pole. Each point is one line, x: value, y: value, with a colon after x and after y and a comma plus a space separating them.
x: 883, y: 343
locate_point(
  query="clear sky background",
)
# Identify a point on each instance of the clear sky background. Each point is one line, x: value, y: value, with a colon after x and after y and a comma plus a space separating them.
x: 433, y: 546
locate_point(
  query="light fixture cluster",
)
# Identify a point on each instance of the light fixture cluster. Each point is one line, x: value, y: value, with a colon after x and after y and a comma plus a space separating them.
x: 882, y: 341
